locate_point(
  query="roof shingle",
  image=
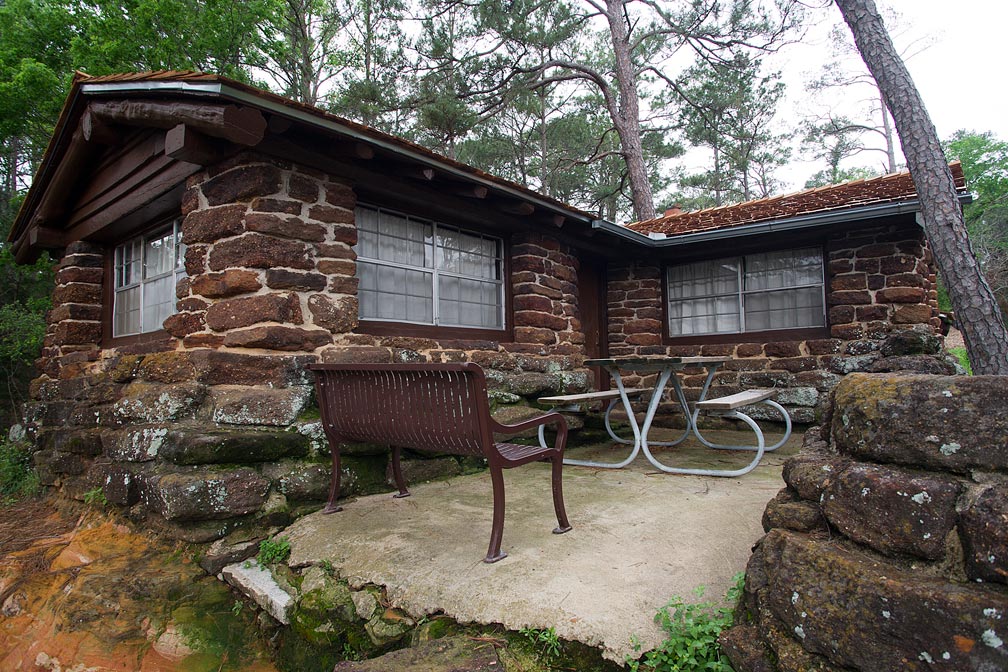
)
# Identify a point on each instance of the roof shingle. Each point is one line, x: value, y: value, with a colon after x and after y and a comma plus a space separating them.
x: 877, y: 190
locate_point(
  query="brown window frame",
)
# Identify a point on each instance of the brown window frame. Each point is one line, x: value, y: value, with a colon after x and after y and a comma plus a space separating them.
x: 156, y: 336
x: 793, y: 334
x: 439, y: 332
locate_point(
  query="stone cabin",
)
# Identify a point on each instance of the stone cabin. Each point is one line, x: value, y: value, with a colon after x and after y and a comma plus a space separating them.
x: 213, y: 239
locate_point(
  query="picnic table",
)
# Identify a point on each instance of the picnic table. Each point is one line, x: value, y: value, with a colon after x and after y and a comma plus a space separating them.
x: 669, y: 370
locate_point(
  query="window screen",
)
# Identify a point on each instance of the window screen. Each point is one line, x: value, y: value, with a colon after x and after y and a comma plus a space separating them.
x: 146, y: 271
x: 757, y: 292
x: 418, y: 271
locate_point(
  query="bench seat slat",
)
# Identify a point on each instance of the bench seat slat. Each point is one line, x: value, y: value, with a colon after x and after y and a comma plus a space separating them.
x: 733, y: 401
x: 593, y: 396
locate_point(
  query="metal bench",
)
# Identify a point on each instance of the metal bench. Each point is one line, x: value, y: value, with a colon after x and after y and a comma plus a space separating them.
x: 430, y: 407
x: 727, y: 407
x: 573, y: 403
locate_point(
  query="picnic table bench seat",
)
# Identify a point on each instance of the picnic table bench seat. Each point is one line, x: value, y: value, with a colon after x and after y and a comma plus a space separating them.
x: 430, y: 407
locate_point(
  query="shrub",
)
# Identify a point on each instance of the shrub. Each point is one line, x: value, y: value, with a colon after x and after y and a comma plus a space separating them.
x: 272, y: 551
x: 17, y: 479
x: 960, y: 354
x: 692, y: 630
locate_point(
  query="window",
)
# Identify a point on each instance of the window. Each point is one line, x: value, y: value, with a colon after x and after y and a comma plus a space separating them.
x: 757, y: 292
x: 413, y: 270
x: 146, y: 270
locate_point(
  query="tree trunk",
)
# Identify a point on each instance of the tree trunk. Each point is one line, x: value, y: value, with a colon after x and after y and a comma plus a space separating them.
x: 626, y: 114
x: 972, y: 299
x: 888, y: 131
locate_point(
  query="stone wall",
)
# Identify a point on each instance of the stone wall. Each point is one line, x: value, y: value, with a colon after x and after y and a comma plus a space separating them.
x: 210, y: 424
x: 880, y: 280
x: 888, y: 548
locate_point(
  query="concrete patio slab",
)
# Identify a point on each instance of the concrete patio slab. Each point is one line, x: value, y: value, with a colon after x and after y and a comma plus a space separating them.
x: 639, y: 537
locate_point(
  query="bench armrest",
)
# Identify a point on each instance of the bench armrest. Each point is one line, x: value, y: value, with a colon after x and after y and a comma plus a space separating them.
x: 545, y: 419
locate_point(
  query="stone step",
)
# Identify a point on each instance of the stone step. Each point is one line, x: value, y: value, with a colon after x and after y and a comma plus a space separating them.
x: 451, y: 654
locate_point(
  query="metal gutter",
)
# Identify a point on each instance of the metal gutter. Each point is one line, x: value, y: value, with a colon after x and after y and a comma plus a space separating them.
x: 811, y: 221
x: 277, y: 107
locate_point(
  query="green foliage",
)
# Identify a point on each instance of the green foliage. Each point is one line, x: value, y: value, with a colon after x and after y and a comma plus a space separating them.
x: 95, y: 497
x: 273, y: 551
x: 692, y: 630
x: 545, y: 642
x: 17, y: 479
x: 985, y: 163
x: 960, y: 354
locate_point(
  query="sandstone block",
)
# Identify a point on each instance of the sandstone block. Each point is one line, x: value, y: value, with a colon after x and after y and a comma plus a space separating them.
x: 197, y: 445
x: 864, y: 615
x: 914, y: 363
x: 788, y: 511
x: 77, y: 292
x: 212, y: 224
x: 782, y: 349
x: 341, y: 284
x: 892, y: 510
x: 841, y: 314
x: 938, y: 422
x: 529, y: 384
x: 166, y: 367
x: 281, y: 278
x: 242, y: 183
x: 303, y: 188
x: 341, y: 196
x: 195, y: 259
x: 181, y: 325
x: 336, y: 251
x: 358, y: 354
x: 72, y: 332
x: 331, y: 215
x: 278, y: 337
x: 745, y: 650
x: 897, y: 265
x: 809, y: 474
x: 233, y: 368
x: 234, y: 405
x: 78, y: 274
x: 75, y: 311
x: 231, y: 282
x: 206, y: 494
x: 338, y: 315
x: 912, y: 313
x: 246, y: 311
x: 285, y: 226
x: 901, y: 295
x: 425, y: 469
x: 849, y: 281
x: 298, y: 480
x: 983, y: 528
x: 151, y: 402
x: 276, y: 205
x: 256, y: 250
x: 529, y: 318
x: 824, y: 346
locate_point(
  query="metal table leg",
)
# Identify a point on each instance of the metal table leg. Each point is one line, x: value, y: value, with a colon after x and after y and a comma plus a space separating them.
x: 614, y: 372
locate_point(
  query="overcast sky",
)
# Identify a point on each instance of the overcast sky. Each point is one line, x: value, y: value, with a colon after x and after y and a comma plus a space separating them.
x: 961, y: 76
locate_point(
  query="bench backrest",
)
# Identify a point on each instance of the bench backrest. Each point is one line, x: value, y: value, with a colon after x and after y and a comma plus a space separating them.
x: 433, y: 407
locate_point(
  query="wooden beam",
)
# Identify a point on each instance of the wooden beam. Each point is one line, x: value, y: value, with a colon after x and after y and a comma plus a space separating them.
x: 477, y: 191
x: 46, y: 238
x: 357, y: 150
x: 185, y: 144
x: 522, y: 208
x: 424, y: 174
x: 242, y: 125
x: 278, y: 124
x: 97, y: 131
x: 558, y: 221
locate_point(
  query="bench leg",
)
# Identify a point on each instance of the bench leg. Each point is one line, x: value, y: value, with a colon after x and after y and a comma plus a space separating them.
x: 334, y: 482
x: 558, y: 504
x: 397, y: 474
x: 494, y: 553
